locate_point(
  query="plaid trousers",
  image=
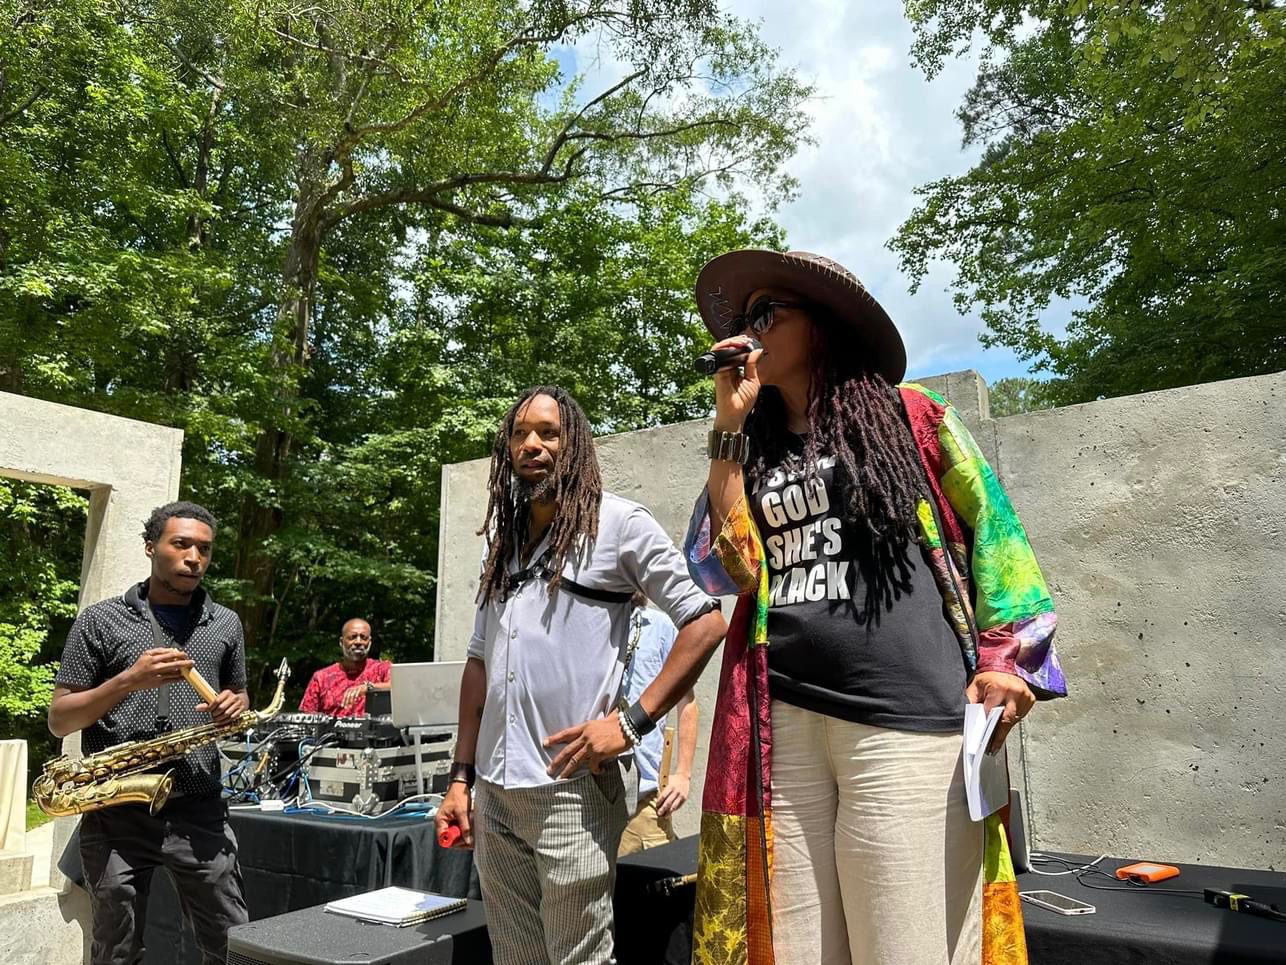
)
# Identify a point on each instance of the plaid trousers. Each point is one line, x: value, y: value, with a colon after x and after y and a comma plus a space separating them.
x: 546, y: 860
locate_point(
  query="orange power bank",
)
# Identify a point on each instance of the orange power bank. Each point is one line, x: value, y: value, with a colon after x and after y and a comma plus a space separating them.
x: 1147, y: 871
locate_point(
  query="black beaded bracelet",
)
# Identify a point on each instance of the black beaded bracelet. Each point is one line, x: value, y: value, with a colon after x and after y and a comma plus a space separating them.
x: 639, y: 718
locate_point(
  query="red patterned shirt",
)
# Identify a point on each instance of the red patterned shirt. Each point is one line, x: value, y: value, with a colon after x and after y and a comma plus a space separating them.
x: 325, y: 693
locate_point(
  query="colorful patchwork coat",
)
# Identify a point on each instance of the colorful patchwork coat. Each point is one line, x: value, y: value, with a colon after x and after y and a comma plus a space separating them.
x: 999, y: 606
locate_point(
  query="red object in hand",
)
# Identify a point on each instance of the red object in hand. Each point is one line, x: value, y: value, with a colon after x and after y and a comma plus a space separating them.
x: 449, y: 835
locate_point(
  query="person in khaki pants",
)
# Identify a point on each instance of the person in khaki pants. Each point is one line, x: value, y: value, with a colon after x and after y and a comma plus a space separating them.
x: 651, y: 637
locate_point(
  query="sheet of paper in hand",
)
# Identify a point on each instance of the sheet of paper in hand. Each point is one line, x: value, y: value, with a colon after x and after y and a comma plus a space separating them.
x: 986, y: 775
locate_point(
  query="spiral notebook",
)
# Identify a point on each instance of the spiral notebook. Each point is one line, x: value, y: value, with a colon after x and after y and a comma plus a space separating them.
x: 397, y: 906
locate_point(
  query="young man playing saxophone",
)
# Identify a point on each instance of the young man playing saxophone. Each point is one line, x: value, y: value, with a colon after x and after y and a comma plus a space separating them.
x: 117, y: 684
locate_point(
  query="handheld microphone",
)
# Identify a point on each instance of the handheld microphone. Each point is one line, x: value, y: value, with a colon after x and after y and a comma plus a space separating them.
x: 709, y: 363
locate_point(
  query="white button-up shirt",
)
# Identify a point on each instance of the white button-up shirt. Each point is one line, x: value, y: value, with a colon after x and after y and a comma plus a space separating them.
x: 556, y: 661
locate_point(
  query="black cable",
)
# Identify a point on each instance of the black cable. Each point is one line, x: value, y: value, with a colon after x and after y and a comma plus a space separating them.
x: 295, y: 765
x: 1137, y: 887
x: 324, y: 741
x: 1131, y: 884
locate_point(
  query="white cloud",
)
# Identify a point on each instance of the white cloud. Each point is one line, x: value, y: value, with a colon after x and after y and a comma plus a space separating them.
x: 881, y: 129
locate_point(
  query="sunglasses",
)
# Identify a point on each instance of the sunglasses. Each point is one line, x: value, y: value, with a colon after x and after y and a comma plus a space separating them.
x: 760, y: 318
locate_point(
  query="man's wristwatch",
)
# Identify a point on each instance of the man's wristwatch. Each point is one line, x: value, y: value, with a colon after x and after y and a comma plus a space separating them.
x: 728, y: 446
x: 460, y: 771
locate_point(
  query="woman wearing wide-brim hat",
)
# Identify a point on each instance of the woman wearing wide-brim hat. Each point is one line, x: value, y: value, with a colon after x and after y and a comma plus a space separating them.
x: 883, y: 581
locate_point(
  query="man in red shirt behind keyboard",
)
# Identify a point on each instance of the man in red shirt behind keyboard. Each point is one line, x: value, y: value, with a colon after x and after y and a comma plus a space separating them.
x: 340, y: 690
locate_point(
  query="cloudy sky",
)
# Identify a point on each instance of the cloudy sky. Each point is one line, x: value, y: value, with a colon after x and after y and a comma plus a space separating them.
x: 881, y: 130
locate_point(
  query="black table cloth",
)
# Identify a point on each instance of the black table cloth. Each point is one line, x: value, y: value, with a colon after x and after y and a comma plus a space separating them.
x: 294, y: 861
x: 654, y: 924
x: 1136, y: 926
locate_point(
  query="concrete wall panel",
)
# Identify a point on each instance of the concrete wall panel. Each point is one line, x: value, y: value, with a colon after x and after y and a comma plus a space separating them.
x: 1158, y: 519
x: 129, y: 468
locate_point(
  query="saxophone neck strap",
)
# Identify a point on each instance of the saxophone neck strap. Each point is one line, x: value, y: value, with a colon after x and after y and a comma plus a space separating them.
x: 160, y: 641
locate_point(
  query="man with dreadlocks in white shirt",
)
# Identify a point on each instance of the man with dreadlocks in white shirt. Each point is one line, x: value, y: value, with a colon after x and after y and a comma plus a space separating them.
x: 541, y: 720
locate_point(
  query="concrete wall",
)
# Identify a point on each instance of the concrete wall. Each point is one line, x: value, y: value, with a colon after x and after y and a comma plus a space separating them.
x: 129, y: 468
x: 1157, y: 519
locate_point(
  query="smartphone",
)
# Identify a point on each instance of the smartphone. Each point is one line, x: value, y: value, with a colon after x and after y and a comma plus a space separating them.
x: 1060, y: 904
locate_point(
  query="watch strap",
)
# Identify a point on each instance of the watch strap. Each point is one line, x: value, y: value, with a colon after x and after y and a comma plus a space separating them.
x: 461, y: 771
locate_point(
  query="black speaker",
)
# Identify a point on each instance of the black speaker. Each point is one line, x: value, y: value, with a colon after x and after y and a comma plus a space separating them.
x: 314, y: 937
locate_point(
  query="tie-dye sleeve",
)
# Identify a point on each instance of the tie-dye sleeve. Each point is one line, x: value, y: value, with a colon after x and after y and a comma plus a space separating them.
x: 726, y: 564
x: 1014, y: 611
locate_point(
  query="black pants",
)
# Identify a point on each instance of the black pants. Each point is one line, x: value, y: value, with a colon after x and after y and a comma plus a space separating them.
x: 121, y: 847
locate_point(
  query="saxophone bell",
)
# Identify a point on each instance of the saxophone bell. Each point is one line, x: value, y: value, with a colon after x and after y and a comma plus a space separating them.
x: 119, y: 775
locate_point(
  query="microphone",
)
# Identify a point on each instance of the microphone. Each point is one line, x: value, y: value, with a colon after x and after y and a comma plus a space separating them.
x: 711, y: 362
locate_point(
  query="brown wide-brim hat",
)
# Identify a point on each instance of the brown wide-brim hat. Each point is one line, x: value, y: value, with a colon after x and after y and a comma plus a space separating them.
x: 726, y: 282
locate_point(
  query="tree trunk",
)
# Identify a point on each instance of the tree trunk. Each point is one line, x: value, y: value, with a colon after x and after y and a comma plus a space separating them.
x: 261, y: 519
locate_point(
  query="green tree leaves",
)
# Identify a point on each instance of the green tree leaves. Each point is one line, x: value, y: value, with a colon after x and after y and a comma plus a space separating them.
x: 331, y: 242
x: 41, y: 528
x: 1131, y: 163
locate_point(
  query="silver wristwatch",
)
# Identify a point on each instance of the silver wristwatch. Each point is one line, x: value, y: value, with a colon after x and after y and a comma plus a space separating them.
x: 728, y: 446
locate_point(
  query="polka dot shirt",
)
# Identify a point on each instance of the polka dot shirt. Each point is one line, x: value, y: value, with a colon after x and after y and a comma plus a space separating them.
x: 108, y: 637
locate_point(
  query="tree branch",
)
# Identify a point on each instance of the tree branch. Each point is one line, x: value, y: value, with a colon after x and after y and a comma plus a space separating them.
x: 209, y: 78
x: 505, y: 220
x: 345, y: 181
x: 174, y: 159
x: 11, y: 115
x: 442, y: 100
x: 552, y: 154
x: 431, y: 193
x: 649, y: 135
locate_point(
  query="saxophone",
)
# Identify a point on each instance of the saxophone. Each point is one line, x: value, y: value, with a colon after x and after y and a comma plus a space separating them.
x: 116, y: 776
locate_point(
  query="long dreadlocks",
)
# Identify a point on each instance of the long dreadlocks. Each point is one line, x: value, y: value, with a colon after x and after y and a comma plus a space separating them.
x: 577, y: 490
x: 857, y: 417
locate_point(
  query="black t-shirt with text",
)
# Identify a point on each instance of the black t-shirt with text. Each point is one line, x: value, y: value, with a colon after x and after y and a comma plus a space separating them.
x: 849, y: 636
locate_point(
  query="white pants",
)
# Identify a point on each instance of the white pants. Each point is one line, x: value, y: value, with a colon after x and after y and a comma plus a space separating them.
x: 875, y: 860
